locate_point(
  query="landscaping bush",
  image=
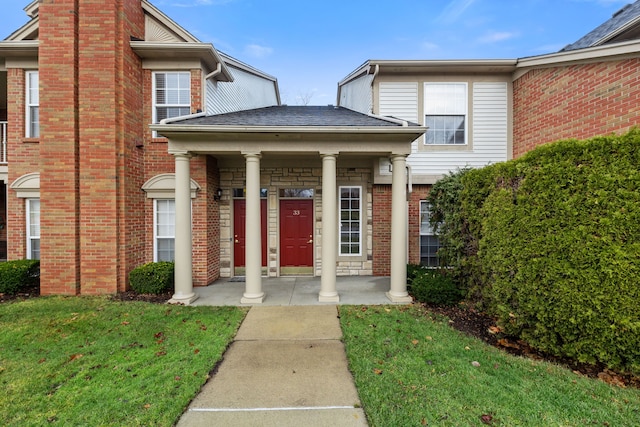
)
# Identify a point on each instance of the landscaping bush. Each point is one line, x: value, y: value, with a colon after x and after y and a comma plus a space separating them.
x: 18, y: 275
x: 550, y: 244
x: 152, y: 278
x: 434, y: 286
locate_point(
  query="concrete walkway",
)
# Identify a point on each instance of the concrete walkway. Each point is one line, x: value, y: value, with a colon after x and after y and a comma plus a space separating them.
x: 286, y: 367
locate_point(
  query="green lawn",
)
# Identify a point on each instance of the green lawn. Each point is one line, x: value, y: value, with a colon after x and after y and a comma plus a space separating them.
x: 412, y: 369
x: 93, y: 361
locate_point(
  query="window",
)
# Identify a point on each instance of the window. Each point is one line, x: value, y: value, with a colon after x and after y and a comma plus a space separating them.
x: 33, y: 105
x: 445, y: 109
x: 350, y: 214
x: 172, y: 95
x: 429, y: 242
x: 164, y: 229
x: 33, y: 228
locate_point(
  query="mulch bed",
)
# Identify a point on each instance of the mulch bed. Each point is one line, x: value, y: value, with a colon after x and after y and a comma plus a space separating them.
x: 477, y: 324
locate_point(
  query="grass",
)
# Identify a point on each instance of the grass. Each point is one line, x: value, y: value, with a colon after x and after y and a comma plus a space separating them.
x: 413, y: 369
x: 93, y: 361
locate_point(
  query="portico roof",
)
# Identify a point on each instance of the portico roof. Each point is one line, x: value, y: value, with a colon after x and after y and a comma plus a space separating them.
x: 290, y: 129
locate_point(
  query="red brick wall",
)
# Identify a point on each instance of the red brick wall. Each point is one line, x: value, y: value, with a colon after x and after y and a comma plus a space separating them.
x: 59, y: 147
x: 578, y: 101
x: 382, y: 230
x: 24, y: 158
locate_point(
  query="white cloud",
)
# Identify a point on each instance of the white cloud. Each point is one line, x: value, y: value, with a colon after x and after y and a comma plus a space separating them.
x: 496, y: 36
x: 430, y: 46
x: 257, y: 51
x: 454, y: 10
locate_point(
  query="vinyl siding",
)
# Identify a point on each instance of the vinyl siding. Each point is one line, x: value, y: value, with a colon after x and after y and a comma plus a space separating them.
x: 357, y: 95
x: 399, y: 100
x: 246, y: 92
x: 489, y: 115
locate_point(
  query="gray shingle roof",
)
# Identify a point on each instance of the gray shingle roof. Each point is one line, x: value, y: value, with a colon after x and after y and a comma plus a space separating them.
x: 320, y: 116
x: 605, y: 31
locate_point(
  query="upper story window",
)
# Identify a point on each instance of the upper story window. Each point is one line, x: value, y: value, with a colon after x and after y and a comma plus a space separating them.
x: 445, y: 109
x: 172, y: 95
x: 32, y: 97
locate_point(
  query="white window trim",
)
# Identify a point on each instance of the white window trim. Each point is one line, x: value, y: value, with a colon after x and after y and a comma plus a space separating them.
x: 466, y: 112
x: 155, y: 103
x: 30, y: 237
x: 155, y: 228
x: 360, y: 228
x: 430, y: 231
x: 29, y: 105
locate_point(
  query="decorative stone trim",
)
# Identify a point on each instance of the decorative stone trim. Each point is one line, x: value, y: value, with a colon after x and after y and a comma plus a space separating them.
x: 163, y: 186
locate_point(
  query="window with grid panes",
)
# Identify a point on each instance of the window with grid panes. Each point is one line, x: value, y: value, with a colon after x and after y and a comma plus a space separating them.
x: 164, y: 229
x: 172, y: 95
x: 445, y: 109
x: 429, y: 242
x: 350, y: 220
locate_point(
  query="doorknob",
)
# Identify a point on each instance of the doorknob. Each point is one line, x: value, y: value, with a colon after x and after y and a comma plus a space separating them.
x: 310, y: 241
x: 237, y: 241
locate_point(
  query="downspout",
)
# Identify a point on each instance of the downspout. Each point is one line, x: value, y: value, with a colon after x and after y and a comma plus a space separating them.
x: 375, y: 74
x: 215, y: 72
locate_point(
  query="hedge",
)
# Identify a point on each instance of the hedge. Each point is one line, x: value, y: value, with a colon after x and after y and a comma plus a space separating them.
x: 152, y: 278
x: 18, y: 275
x: 550, y: 244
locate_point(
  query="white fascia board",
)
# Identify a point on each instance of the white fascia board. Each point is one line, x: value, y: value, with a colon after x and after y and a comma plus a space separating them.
x: 289, y: 129
x: 591, y: 54
x: 229, y: 60
x: 204, y: 51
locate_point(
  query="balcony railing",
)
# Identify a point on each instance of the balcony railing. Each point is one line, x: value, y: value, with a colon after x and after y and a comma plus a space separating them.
x: 3, y: 143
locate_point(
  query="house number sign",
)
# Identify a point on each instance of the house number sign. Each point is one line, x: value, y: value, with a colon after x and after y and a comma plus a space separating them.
x: 296, y: 212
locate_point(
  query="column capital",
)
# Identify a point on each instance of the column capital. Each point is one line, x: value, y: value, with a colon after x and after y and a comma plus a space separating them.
x: 324, y: 154
x: 395, y: 157
x: 181, y: 153
x: 252, y: 154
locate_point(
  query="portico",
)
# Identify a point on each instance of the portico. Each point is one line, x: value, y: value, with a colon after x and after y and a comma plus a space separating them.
x: 260, y: 140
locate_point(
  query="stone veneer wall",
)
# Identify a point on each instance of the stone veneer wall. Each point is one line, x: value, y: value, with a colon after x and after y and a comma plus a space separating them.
x: 294, y: 177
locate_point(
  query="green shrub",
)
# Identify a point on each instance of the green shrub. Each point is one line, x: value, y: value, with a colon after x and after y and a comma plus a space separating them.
x: 550, y: 244
x: 152, y: 278
x: 414, y: 270
x: 434, y: 286
x: 19, y: 274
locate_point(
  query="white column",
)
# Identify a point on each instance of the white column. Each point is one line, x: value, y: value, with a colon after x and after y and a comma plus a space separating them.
x: 183, y: 243
x: 398, y: 291
x: 328, y: 292
x: 253, y: 249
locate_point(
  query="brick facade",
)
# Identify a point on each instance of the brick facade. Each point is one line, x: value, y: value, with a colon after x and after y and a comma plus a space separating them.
x: 95, y: 152
x: 576, y: 101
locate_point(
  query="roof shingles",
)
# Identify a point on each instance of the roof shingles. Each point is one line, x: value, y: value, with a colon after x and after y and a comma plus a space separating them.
x: 293, y: 116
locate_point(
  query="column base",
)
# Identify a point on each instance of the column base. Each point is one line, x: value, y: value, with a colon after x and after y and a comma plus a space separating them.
x: 328, y: 298
x: 183, y: 299
x: 405, y: 299
x: 252, y: 299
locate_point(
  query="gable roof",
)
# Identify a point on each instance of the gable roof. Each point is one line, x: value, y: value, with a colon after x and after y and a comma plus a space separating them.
x: 292, y: 116
x: 624, y: 25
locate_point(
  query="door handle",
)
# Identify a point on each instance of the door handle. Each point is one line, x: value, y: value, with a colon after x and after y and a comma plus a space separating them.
x: 310, y: 241
x: 237, y: 241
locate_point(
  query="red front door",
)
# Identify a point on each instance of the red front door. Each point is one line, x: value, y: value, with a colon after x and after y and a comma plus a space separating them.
x: 239, y: 238
x: 296, y: 236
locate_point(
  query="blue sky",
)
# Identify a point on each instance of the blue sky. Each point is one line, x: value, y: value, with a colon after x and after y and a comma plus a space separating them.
x: 310, y: 45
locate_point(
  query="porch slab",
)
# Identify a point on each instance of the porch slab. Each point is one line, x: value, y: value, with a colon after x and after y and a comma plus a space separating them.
x: 304, y: 290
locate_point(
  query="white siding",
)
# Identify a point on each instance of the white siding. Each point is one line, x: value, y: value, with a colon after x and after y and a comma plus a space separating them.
x: 399, y: 100
x: 246, y: 92
x: 357, y: 95
x: 489, y: 123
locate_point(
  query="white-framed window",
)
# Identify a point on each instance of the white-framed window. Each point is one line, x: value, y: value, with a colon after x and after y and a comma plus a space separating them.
x: 445, y: 109
x: 429, y: 242
x: 164, y: 226
x: 171, y: 94
x: 350, y: 205
x: 32, y: 98
x: 33, y: 228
